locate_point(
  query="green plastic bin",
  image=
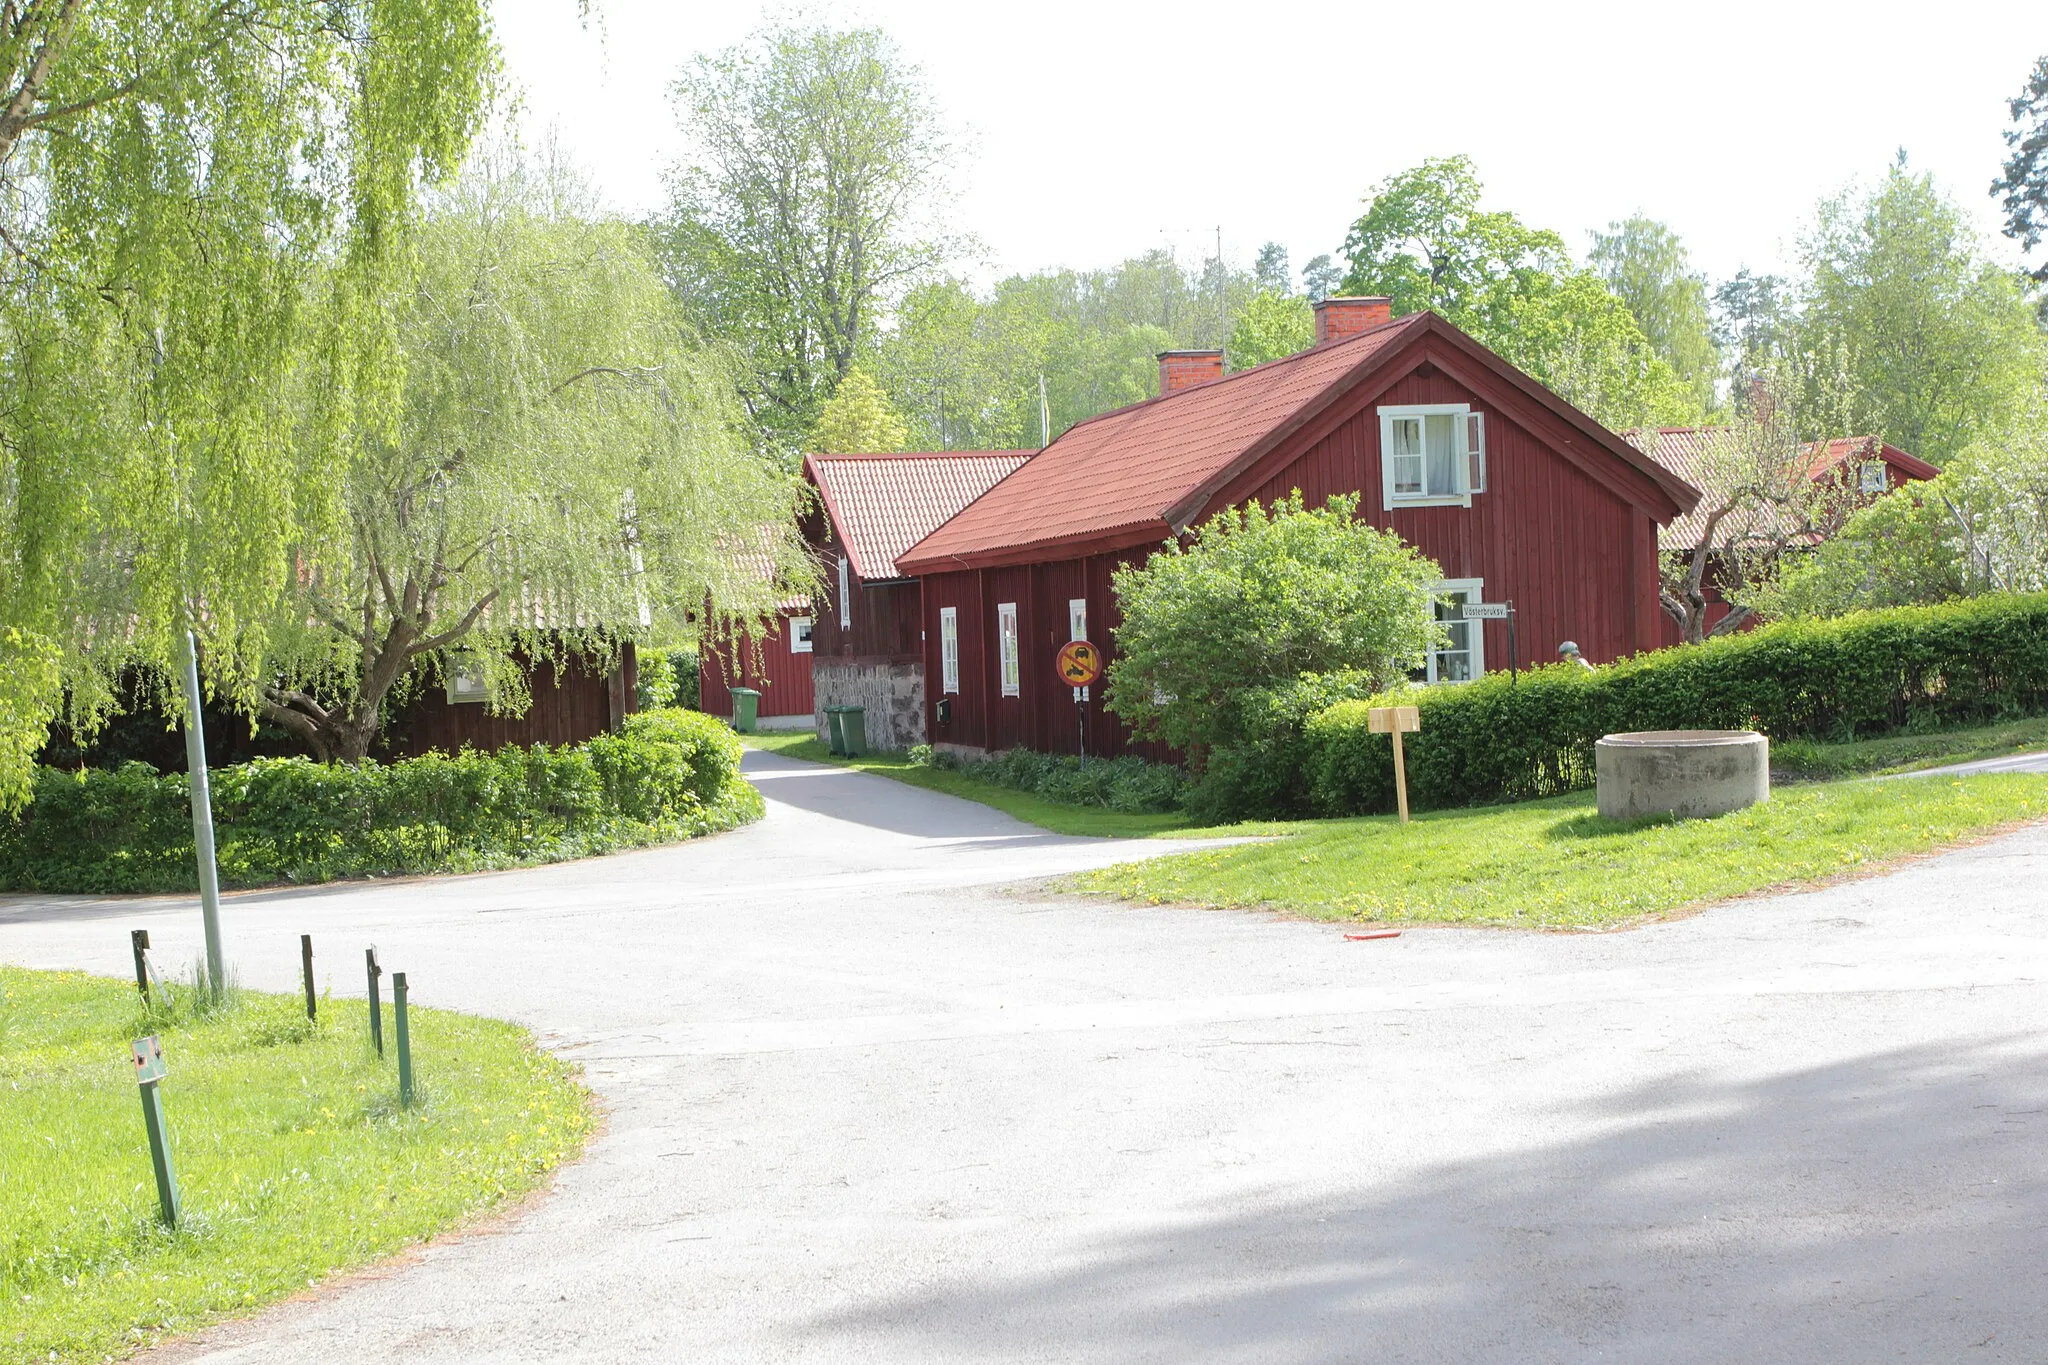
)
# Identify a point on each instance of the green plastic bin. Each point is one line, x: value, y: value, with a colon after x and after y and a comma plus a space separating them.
x: 834, y: 732
x: 849, y: 727
x: 746, y: 710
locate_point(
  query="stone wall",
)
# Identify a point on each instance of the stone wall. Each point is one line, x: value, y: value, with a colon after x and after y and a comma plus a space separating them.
x: 892, y: 693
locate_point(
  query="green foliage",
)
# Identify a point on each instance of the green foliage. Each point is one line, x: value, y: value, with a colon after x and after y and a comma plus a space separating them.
x: 1128, y: 784
x: 294, y: 1159
x: 804, y: 219
x: 1981, y: 527
x: 1425, y: 242
x: 1907, y: 331
x: 179, y: 180
x: 858, y: 418
x: 668, y: 677
x: 2024, y: 178
x: 965, y: 370
x: 1645, y: 265
x: 1270, y: 327
x: 1257, y: 774
x: 667, y: 775
x: 1256, y: 598
x: 558, y: 441
x: 1869, y: 674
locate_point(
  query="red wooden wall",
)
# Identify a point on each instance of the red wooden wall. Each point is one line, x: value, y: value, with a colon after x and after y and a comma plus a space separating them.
x: 576, y: 704
x: 884, y: 618
x: 781, y: 675
x: 1576, y: 558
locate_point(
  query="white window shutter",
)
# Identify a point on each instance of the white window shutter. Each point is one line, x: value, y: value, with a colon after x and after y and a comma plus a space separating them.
x: 1475, y: 452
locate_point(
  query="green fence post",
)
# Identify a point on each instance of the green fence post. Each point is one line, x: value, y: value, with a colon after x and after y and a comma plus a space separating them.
x: 404, y: 1041
x: 306, y: 962
x: 138, y: 944
x: 149, y: 1069
x: 376, y: 1005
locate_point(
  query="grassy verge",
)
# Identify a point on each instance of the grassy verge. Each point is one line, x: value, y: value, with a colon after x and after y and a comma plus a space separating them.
x: 291, y: 1152
x: 1029, y: 807
x: 1903, y: 753
x: 1556, y: 864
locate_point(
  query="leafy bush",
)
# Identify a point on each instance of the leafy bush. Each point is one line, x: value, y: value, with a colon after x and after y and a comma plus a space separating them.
x: 1128, y: 784
x: 1257, y: 598
x: 668, y: 677
x: 1259, y: 774
x: 1858, y: 676
x: 667, y: 775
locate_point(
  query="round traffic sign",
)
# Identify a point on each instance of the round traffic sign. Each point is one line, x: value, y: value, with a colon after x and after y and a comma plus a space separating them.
x: 1079, y: 663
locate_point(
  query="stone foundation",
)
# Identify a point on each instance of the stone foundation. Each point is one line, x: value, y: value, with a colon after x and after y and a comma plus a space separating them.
x: 892, y: 693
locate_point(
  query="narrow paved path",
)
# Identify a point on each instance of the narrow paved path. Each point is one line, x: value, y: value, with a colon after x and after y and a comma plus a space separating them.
x: 868, y: 1105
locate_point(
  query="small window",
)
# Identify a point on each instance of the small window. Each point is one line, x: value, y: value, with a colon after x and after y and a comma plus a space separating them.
x: 1432, y: 455
x: 1873, y: 476
x: 1462, y: 655
x: 465, y: 674
x: 845, y: 596
x: 949, y: 649
x: 1077, y: 618
x: 1006, y: 643
x: 799, y: 634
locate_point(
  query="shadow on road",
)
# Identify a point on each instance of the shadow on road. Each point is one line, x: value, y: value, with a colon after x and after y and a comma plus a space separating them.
x: 885, y: 804
x: 1840, y: 1213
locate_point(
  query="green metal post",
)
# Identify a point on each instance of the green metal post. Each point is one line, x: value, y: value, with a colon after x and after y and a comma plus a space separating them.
x: 376, y: 1005
x: 202, y: 817
x: 160, y: 1154
x: 306, y: 964
x: 404, y: 1041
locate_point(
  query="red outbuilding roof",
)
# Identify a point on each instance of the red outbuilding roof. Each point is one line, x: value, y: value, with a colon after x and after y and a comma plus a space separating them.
x: 1147, y: 470
x: 882, y: 504
x: 1684, y: 451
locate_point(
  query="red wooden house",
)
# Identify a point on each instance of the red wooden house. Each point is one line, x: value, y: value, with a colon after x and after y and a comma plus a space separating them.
x: 1864, y: 466
x: 867, y: 645
x: 778, y: 666
x: 1518, y: 495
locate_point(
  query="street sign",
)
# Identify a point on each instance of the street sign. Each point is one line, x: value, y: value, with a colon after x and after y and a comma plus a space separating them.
x: 149, y: 1059
x: 1486, y: 611
x: 1079, y: 663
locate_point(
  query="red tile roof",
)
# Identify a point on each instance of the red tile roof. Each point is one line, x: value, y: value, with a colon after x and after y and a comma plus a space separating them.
x: 1683, y: 451
x: 1130, y: 474
x: 881, y: 505
x: 1128, y: 468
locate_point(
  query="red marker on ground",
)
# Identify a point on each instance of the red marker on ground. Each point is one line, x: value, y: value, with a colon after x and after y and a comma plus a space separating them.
x: 1377, y: 933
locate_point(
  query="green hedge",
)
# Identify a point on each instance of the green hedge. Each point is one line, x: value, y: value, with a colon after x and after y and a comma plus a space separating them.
x: 668, y: 775
x: 1851, y: 677
x: 1128, y: 784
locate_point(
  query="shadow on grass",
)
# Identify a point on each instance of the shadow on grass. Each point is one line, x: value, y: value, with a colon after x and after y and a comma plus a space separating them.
x: 1885, y: 1205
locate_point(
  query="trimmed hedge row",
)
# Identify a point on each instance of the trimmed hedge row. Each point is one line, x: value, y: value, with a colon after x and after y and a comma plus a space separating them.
x: 1851, y: 677
x: 668, y: 775
x: 1128, y: 784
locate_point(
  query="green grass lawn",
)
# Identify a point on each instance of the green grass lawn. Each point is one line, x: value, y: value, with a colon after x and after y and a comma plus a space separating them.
x: 1903, y: 753
x: 1056, y: 816
x: 1556, y: 864
x: 290, y: 1150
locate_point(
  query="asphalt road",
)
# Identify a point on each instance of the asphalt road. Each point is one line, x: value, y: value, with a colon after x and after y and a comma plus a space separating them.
x: 866, y: 1105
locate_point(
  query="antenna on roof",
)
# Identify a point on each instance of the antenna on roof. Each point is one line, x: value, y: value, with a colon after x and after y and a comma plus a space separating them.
x: 1044, y: 416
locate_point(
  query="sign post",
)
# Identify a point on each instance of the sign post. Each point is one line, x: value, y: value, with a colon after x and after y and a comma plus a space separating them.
x: 202, y: 817
x: 149, y: 1069
x: 1079, y: 664
x: 1394, y: 721
x: 1497, y: 611
x: 376, y: 1005
x: 404, y: 1040
x: 306, y: 965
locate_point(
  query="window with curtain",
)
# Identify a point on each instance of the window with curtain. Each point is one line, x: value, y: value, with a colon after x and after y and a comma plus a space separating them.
x: 1006, y: 642
x: 1432, y: 454
x: 949, y: 649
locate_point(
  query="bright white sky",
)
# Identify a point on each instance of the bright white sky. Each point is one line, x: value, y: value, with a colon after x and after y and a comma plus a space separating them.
x: 1100, y: 128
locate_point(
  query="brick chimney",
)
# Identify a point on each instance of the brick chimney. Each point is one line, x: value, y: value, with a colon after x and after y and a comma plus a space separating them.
x: 1184, y: 369
x: 1347, y: 316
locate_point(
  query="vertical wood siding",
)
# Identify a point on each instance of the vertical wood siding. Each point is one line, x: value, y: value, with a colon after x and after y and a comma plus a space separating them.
x: 782, y: 677
x: 570, y: 706
x: 885, y: 617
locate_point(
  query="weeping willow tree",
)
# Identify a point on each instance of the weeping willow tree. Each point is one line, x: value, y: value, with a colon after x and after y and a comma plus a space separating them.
x: 201, y: 202
x: 562, y: 472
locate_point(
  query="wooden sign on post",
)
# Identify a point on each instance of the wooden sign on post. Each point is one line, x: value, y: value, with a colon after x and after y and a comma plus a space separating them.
x: 1394, y: 721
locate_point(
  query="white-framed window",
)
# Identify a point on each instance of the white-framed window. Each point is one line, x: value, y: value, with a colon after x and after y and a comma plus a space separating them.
x: 467, y: 681
x: 800, y: 634
x: 1077, y: 618
x: 1006, y: 645
x: 845, y: 596
x: 1432, y: 455
x: 1462, y: 655
x: 949, y: 649
x: 1872, y: 477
